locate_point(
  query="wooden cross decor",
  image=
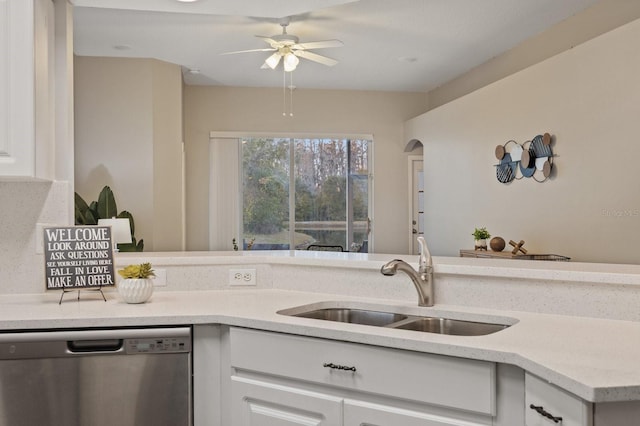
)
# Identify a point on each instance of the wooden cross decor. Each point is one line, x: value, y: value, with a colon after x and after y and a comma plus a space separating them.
x: 517, y: 247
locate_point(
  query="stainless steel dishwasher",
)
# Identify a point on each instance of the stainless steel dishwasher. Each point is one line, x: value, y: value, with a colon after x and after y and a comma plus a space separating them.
x: 124, y: 377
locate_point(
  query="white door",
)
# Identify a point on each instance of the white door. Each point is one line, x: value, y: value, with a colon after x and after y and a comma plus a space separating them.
x: 257, y: 403
x: 416, y: 201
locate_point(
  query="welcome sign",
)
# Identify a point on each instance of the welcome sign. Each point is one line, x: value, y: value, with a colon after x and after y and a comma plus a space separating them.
x: 78, y: 257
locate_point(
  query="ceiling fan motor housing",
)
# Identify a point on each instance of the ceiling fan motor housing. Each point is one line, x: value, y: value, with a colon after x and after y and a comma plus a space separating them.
x: 285, y: 39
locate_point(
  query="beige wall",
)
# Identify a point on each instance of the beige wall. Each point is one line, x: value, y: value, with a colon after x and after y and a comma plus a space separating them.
x: 167, y: 157
x: 589, y: 99
x: 382, y: 114
x: 128, y: 135
x: 592, y: 22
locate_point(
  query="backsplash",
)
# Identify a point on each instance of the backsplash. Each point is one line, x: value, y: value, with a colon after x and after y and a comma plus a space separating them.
x: 23, y: 204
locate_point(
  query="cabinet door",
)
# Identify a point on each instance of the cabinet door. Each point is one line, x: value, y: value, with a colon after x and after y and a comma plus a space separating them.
x: 548, y: 405
x: 17, y: 119
x: 258, y: 403
x: 456, y: 383
x: 360, y: 413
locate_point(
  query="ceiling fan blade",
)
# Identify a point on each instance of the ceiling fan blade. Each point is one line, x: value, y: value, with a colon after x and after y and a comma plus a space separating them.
x: 272, y: 42
x: 266, y: 49
x: 318, y: 44
x: 315, y: 57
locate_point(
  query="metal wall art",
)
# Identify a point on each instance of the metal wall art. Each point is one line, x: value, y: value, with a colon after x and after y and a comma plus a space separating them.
x: 532, y: 159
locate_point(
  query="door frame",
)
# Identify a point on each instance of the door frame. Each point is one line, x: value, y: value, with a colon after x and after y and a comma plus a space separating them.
x: 412, y: 161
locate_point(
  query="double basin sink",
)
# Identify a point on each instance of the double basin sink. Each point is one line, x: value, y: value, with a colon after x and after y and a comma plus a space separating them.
x: 426, y: 324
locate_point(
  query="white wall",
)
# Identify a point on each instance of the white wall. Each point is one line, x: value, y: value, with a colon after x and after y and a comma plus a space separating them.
x: 28, y: 202
x: 382, y: 114
x: 588, y: 98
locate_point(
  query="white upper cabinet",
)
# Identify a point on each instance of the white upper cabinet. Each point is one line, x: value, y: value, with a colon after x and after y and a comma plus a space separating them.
x: 25, y: 72
x: 17, y: 112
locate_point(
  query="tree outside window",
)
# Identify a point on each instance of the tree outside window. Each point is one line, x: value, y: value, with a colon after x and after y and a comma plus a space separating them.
x: 328, y: 191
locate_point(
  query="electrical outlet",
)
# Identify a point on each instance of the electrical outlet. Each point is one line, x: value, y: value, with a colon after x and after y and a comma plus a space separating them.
x: 242, y: 276
x: 161, y: 277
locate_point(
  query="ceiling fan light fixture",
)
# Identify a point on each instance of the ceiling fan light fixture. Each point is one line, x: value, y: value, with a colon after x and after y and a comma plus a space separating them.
x: 273, y: 61
x: 290, y: 62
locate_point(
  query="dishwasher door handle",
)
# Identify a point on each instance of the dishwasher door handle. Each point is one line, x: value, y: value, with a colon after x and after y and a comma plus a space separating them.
x: 103, y: 345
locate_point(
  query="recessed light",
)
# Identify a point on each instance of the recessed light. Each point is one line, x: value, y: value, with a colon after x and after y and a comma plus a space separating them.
x: 187, y: 1
x: 194, y: 71
x: 122, y: 47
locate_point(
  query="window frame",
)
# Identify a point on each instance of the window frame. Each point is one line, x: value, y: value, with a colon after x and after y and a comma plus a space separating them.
x: 236, y: 207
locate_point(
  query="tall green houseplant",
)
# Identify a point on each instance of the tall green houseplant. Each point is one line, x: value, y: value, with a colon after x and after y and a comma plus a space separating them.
x: 105, y: 208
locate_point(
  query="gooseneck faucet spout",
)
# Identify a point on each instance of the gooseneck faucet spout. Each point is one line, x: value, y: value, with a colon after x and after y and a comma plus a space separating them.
x: 422, y: 279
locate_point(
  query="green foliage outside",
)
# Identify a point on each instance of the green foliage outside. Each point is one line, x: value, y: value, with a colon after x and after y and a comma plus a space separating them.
x: 320, y: 172
x: 265, y: 186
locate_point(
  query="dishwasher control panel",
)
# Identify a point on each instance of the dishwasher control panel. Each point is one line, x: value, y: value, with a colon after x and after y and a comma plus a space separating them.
x: 157, y: 345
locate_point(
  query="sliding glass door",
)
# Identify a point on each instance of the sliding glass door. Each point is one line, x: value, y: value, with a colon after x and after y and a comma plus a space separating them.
x: 305, y: 192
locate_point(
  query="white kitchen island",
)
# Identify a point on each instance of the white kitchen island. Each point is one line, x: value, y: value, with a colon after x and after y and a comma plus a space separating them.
x: 573, y: 326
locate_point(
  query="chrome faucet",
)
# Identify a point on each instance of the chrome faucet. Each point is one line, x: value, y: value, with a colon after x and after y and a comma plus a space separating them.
x: 422, y: 278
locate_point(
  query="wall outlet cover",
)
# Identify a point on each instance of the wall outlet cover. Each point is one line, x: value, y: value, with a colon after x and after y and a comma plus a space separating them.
x: 241, y: 277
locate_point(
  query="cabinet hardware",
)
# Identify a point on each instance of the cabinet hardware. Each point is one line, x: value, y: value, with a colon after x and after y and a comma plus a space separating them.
x: 540, y: 410
x: 338, y: 367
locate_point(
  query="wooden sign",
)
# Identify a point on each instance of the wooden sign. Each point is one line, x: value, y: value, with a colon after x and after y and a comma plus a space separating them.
x: 78, y: 257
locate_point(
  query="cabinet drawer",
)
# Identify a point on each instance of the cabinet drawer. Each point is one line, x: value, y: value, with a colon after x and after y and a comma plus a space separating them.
x: 434, y: 379
x: 545, y: 404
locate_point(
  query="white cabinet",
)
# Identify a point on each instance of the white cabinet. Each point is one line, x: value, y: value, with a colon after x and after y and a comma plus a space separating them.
x: 260, y: 403
x: 17, y: 116
x: 279, y: 379
x: 26, y: 33
x: 548, y: 405
x: 361, y: 413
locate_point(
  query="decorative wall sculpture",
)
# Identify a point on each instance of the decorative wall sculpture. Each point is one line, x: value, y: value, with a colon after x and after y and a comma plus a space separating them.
x: 532, y: 159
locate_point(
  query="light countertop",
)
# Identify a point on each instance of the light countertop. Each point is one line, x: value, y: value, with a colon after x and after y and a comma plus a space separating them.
x: 596, y: 359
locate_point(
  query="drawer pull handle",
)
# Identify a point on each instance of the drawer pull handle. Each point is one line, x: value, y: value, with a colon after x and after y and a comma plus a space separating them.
x: 338, y: 367
x: 540, y: 410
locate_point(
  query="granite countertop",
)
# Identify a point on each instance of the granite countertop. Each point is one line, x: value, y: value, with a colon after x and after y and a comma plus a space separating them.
x: 596, y: 359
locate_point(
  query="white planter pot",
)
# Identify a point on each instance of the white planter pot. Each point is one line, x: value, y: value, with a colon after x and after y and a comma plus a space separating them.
x: 135, y: 290
x: 481, y: 244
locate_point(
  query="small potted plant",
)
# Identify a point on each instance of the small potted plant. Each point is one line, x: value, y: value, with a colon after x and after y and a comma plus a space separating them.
x: 137, y: 284
x: 481, y: 235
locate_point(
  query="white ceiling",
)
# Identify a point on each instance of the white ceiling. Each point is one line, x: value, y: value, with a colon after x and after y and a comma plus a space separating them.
x: 391, y: 45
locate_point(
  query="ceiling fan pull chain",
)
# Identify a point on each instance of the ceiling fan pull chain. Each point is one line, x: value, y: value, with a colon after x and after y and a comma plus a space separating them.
x: 291, y: 93
x: 284, y: 93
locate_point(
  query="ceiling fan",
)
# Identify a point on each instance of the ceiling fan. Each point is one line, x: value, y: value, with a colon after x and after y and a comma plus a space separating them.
x: 286, y: 47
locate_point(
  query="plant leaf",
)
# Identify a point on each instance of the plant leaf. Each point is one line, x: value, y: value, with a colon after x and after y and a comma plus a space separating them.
x: 90, y: 218
x: 107, y: 204
x: 80, y: 208
x: 80, y: 203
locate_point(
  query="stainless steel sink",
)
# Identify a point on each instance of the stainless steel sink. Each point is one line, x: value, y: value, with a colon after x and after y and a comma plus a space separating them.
x: 425, y: 324
x: 354, y: 316
x: 451, y: 326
